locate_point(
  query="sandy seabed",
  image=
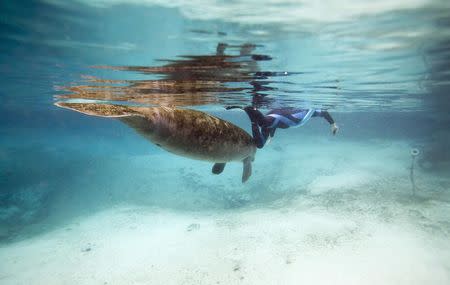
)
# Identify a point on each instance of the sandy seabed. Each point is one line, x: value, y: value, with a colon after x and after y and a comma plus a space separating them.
x: 353, y: 222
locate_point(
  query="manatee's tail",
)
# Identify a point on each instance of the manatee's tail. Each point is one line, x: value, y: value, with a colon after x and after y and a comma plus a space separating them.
x: 127, y: 115
x: 99, y: 110
x: 247, y: 171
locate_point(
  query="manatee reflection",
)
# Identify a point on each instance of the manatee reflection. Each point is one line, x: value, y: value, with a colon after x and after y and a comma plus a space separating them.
x: 188, y: 81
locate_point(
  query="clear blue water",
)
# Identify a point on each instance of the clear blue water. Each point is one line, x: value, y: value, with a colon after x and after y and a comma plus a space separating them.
x: 382, y: 70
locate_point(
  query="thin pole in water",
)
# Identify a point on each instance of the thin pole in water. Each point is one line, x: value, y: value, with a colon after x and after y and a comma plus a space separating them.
x: 414, y: 152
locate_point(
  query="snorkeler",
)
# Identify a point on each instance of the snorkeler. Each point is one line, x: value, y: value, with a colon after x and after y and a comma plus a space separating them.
x: 264, y: 126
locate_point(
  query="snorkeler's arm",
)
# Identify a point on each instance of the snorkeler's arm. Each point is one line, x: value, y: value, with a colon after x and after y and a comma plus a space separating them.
x: 327, y: 116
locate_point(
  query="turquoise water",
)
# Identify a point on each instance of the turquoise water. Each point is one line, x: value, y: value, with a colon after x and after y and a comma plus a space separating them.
x: 87, y: 200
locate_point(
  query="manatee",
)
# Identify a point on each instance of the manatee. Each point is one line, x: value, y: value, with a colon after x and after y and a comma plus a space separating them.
x: 184, y: 132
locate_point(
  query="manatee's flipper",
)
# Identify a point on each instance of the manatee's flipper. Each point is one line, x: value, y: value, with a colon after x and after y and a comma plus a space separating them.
x: 218, y: 167
x: 99, y: 110
x: 247, y: 172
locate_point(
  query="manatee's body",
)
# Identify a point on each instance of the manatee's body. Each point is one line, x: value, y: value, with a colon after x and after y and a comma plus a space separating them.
x: 184, y: 132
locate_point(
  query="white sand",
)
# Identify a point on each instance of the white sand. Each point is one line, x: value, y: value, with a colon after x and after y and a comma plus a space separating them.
x: 354, y: 223
x: 295, y: 246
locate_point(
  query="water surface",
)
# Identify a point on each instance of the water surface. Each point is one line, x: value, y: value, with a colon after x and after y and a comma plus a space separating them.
x: 355, y: 208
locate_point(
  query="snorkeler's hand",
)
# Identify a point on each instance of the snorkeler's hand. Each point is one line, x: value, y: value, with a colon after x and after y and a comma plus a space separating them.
x: 334, y: 128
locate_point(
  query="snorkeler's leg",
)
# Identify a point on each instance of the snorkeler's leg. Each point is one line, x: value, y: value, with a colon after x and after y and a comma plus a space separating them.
x: 272, y: 132
x: 256, y: 116
x: 258, y: 137
x: 257, y: 119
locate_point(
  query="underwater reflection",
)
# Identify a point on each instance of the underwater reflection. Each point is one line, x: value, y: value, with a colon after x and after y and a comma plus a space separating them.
x: 192, y: 80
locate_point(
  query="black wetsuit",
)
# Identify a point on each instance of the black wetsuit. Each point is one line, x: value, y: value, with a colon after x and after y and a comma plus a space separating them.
x: 264, y: 126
